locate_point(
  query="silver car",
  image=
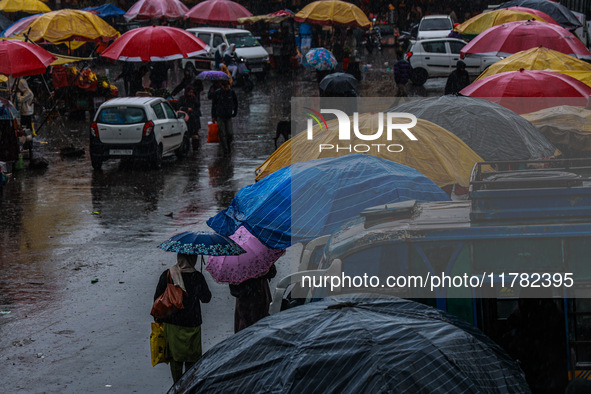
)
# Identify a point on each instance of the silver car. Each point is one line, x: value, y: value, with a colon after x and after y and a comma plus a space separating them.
x: 139, y: 128
x: 438, y: 58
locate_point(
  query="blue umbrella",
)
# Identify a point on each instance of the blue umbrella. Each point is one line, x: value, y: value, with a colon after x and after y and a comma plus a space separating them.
x: 204, y: 243
x: 106, y: 11
x: 309, y: 199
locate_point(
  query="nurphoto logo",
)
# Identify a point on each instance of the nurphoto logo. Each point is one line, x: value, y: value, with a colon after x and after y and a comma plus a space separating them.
x: 345, y: 126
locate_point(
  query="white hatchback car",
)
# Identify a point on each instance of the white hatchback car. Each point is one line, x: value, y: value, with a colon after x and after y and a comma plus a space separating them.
x: 137, y: 127
x: 434, y: 26
x: 438, y: 58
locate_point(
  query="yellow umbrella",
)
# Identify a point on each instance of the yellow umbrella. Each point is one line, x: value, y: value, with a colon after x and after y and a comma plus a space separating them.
x: 70, y: 25
x: 476, y: 25
x: 333, y: 12
x: 29, y: 6
x: 542, y: 59
x: 437, y: 153
x: 567, y: 127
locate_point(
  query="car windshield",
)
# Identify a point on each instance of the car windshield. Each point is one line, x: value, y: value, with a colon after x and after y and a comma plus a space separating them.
x: 242, y: 40
x: 121, y: 115
x: 435, y: 24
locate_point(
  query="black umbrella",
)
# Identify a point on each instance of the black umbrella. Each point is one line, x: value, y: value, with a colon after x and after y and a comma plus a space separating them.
x: 338, y: 84
x: 5, y: 22
x: 557, y: 11
x: 354, y: 344
x: 491, y: 130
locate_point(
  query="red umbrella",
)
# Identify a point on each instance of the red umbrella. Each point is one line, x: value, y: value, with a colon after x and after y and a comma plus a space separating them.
x: 18, y: 58
x: 157, y: 9
x: 218, y: 12
x: 526, y: 91
x: 509, y: 38
x: 535, y: 12
x: 155, y: 43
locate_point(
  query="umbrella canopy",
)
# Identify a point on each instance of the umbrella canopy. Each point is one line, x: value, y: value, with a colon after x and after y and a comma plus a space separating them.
x: 321, y: 59
x: 491, y: 130
x: 28, y: 6
x: 155, y: 43
x: 513, y: 37
x: 106, y: 11
x: 356, y: 344
x: 18, y: 58
x: 19, y: 26
x: 257, y: 260
x: 505, y: 87
x: 157, y: 9
x: 533, y: 11
x: 274, y: 17
x: 538, y: 59
x: 567, y: 127
x: 70, y: 25
x: 333, y: 12
x: 438, y: 154
x: 217, y: 12
x: 201, y: 242
x: 479, y: 23
x: 213, y: 76
x: 338, y: 83
x: 557, y: 11
x: 313, y: 198
x: 7, y: 110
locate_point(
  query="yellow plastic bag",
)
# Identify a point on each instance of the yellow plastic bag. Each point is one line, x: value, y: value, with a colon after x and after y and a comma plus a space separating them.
x: 157, y: 344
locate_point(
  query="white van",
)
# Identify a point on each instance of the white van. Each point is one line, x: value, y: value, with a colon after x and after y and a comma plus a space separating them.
x: 248, y: 49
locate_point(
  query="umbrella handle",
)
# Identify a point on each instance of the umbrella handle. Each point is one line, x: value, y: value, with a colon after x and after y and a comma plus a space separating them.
x: 202, y: 262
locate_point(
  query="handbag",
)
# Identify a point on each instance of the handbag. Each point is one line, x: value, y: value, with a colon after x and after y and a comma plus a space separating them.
x: 213, y: 132
x: 157, y: 344
x: 169, y: 302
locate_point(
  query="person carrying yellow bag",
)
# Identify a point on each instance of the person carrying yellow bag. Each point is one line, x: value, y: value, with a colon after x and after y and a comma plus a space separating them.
x: 182, y: 328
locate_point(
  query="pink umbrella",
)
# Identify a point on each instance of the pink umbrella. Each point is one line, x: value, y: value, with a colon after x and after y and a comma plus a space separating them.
x: 535, y: 12
x: 236, y: 269
x: 20, y: 25
x: 526, y: 91
x: 156, y: 9
x: 509, y: 38
x: 218, y: 12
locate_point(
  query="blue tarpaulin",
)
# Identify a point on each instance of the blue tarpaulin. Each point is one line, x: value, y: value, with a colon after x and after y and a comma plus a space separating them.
x: 106, y: 10
x: 314, y: 198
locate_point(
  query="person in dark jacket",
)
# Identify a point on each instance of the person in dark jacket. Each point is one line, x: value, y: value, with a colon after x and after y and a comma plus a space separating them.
x: 190, y: 104
x: 458, y: 79
x: 137, y: 80
x: 126, y: 74
x: 224, y: 107
x: 253, y: 298
x: 402, y: 70
x: 182, y: 329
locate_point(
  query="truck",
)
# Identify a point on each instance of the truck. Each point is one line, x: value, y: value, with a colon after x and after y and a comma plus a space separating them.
x: 515, y: 255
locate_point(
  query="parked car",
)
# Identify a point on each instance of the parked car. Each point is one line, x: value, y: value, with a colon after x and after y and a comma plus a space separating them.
x: 248, y: 49
x: 434, y: 26
x: 438, y: 58
x: 139, y: 128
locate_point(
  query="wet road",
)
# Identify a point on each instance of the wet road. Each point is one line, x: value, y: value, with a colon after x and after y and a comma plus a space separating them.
x: 67, y: 226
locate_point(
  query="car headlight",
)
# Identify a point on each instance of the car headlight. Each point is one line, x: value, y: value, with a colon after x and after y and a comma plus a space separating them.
x: 266, y: 59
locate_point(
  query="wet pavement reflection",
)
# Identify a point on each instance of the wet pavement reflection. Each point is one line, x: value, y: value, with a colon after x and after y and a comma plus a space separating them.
x: 64, y: 227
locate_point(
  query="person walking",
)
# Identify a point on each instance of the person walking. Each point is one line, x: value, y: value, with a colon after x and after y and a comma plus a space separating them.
x: 191, y: 105
x: 224, y: 107
x: 253, y: 298
x: 24, y: 98
x: 182, y: 329
x: 458, y: 79
x: 136, y: 84
x: 126, y: 74
x: 402, y: 70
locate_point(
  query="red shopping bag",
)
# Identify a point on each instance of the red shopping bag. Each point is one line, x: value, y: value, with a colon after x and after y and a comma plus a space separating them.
x: 213, y: 132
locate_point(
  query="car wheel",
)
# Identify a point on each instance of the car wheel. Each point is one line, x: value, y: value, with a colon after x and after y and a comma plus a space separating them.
x: 248, y: 85
x: 157, y: 157
x: 183, y: 150
x: 96, y: 162
x: 419, y: 76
